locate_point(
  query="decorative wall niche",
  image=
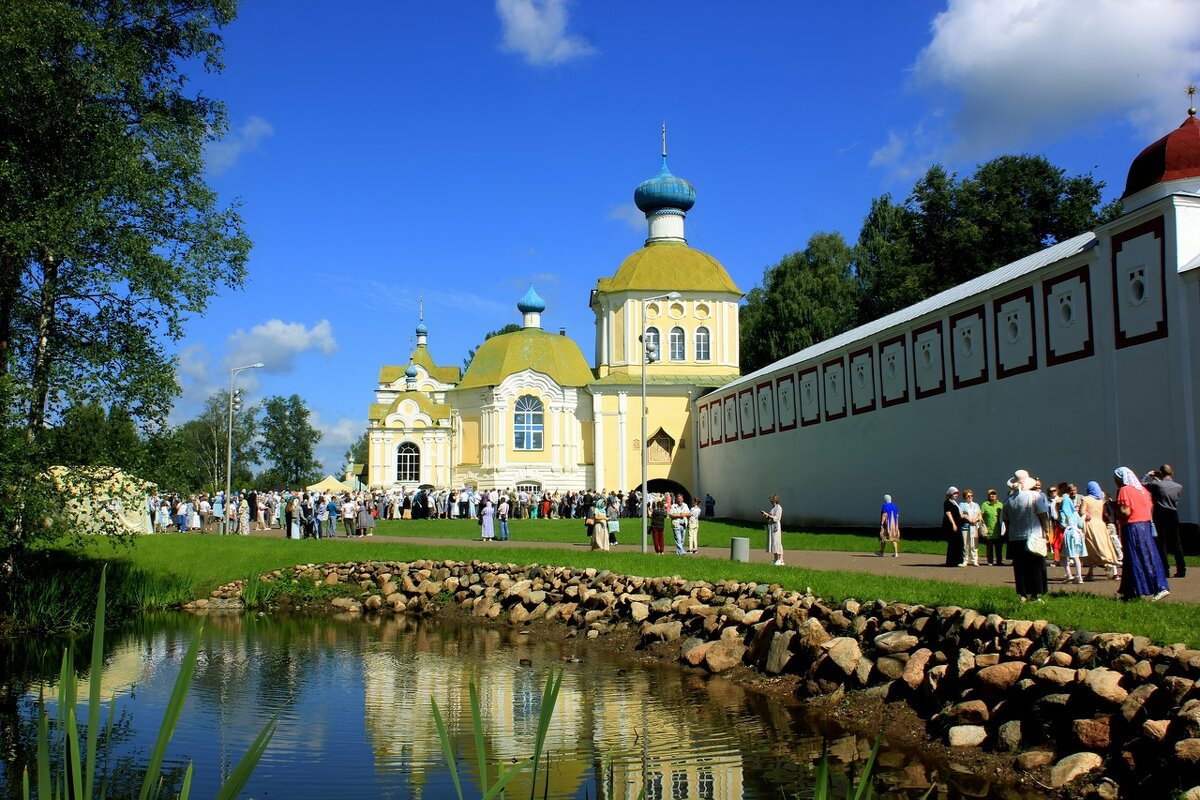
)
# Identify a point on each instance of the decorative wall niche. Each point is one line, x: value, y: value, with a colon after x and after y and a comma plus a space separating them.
x: 834, y: 384
x: 810, y: 396
x: 766, y: 407
x: 893, y: 371
x: 703, y: 311
x: 1016, y: 348
x: 746, y: 422
x: 702, y: 421
x: 785, y: 396
x: 731, y: 418
x: 862, y: 380
x: 1067, y: 307
x: 929, y: 374
x: 1139, y: 300
x: 716, y: 425
x: 968, y: 347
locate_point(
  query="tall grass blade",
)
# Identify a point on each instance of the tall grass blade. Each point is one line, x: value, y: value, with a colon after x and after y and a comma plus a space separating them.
x: 108, y: 733
x: 93, y: 728
x: 43, y: 748
x: 241, y: 773
x: 864, y: 782
x: 25, y: 784
x: 477, y: 728
x: 186, y: 790
x: 171, y: 716
x: 74, y: 779
x: 447, y: 751
x: 503, y: 781
x: 549, y: 700
x: 821, y: 787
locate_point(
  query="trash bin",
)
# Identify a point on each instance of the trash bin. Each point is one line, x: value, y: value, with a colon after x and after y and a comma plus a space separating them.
x: 739, y: 549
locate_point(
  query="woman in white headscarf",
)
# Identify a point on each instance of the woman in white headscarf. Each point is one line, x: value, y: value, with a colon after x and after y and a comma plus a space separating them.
x: 1026, y: 513
x: 1143, y: 574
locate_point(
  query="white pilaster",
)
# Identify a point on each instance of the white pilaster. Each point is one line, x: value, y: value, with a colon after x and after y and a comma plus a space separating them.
x: 598, y: 438
x: 622, y: 441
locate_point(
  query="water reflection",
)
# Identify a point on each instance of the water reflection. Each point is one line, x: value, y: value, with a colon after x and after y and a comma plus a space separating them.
x: 354, y: 696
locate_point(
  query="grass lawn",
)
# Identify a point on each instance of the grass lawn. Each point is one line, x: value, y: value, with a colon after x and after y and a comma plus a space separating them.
x: 203, y: 562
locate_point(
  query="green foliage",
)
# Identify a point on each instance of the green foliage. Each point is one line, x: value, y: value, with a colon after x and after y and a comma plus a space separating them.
x: 264, y: 591
x: 191, y: 457
x: 357, y: 454
x: 288, y: 441
x: 490, y: 789
x: 74, y: 774
x: 948, y: 231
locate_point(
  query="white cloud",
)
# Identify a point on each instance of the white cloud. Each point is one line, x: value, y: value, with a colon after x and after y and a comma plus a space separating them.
x: 223, y: 154
x: 1003, y: 75
x: 193, y: 362
x: 372, y: 295
x: 537, y: 29
x: 630, y: 214
x: 277, y: 344
x: 336, y: 438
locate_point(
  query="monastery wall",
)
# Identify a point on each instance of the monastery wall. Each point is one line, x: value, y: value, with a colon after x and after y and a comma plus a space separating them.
x: 1069, y: 362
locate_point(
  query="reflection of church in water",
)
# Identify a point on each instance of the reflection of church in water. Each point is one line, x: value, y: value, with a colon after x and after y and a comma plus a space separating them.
x: 677, y: 762
x: 531, y: 412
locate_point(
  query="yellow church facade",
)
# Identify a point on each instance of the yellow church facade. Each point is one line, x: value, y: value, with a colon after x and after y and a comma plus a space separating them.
x: 530, y: 410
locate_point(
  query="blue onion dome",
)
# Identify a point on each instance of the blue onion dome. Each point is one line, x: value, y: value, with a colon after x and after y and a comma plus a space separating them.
x: 411, y: 372
x: 531, y: 303
x: 421, y: 329
x: 664, y: 190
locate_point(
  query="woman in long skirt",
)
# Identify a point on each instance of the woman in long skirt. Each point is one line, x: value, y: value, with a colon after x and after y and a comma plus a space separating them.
x: 1100, y: 550
x: 600, y: 525
x: 487, y: 518
x: 774, y: 519
x: 1143, y: 574
x: 1026, y: 514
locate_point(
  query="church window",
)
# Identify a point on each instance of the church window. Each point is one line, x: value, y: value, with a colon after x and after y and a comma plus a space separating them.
x: 660, y: 447
x: 678, y: 348
x: 652, y: 343
x: 528, y: 423
x: 703, y: 348
x: 408, y: 463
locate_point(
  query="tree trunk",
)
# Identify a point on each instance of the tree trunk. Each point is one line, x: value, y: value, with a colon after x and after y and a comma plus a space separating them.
x: 41, y: 354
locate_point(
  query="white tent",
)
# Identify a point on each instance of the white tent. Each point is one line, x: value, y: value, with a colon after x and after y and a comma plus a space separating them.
x: 329, y: 484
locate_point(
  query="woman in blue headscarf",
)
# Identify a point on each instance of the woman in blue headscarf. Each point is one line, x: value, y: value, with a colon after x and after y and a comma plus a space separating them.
x: 1100, y: 551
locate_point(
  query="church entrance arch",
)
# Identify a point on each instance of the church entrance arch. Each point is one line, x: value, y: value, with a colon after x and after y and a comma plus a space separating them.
x: 664, y: 485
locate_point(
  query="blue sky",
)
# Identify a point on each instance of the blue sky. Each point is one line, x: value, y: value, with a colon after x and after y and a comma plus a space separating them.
x: 456, y: 151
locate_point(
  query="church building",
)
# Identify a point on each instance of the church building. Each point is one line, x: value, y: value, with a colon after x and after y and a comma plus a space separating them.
x: 530, y: 411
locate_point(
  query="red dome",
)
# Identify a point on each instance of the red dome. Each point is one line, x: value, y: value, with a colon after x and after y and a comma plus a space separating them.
x: 1174, y: 156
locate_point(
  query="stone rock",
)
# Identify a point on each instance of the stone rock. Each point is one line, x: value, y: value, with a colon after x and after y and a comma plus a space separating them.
x: 663, y: 631
x: 519, y: 615
x: 1034, y: 759
x: 1018, y: 647
x: 1008, y: 736
x: 966, y: 735
x: 890, y: 667
x: 1155, y: 729
x: 1187, y: 751
x: 895, y: 642
x: 1134, y: 705
x: 1057, y: 676
x: 1106, y: 685
x: 1072, y: 767
x: 1001, y: 677
x: 692, y: 650
x: 331, y: 579
x: 341, y: 602
x: 1093, y: 734
x: 1191, y: 794
x: 779, y: 655
x: 964, y: 662
x: 844, y: 653
x: 862, y: 672
x: 810, y: 636
x: 724, y: 655
x: 914, y: 670
x: 374, y: 603
x: 1187, y: 718
x: 983, y: 660
x: 970, y: 712
x: 638, y: 611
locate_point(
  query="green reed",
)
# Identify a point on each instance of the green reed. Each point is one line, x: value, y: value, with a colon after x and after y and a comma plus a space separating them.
x: 72, y: 775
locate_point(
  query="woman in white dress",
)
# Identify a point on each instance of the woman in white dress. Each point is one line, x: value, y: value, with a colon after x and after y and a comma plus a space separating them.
x: 774, y: 519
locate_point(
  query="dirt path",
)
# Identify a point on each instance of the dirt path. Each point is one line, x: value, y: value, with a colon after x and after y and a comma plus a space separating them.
x: 921, y: 566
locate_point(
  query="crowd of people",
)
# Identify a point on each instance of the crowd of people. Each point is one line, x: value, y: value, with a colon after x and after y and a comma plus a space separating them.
x: 1128, y: 536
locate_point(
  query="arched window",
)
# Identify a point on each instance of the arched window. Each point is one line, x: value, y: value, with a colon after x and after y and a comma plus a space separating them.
x: 652, y: 343
x: 528, y: 423
x: 660, y: 446
x: 408, y: 463
x: 678, y: 350
x: 703, y: 350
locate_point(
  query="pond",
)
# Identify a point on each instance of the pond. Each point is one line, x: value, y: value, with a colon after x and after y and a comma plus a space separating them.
x: 354, y: 703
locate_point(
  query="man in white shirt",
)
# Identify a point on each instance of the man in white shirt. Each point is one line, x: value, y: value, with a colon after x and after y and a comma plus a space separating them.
x: 680, y: 514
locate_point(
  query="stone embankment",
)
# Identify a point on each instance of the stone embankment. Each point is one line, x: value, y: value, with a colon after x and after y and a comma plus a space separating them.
x: 1078, y: 703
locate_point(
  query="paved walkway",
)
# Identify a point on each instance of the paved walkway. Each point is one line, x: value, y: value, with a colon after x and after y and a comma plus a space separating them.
x: 922, y: 566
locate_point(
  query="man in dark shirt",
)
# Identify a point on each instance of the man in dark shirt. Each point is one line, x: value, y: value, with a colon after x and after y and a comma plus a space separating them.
x: 1166, y: 493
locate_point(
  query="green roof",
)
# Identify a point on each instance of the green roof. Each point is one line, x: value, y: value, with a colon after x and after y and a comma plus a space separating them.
x: 529, y: 348
x: 635, y: 379
x: 667, y: 266
x: 422, y: 358
x: 435, y: 411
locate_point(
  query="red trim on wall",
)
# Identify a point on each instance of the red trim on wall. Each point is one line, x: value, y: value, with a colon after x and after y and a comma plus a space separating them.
x: 800, y: 380
x: 795, y: 402
x: 1155, y: 226
x: 850, y: 369
x: 981, y: 312
x: 725, y: 403
x: 1084, y: 274
x: 904, y: 349
x: 912, y: 344
x: 997, y: 307
x: 770, y: 388
x: 703, y: 411
x: 845, y: 395
x: 747, y: 434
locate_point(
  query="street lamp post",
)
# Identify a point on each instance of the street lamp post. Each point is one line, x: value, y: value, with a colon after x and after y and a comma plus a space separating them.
x: 229, y: 445
x: 648, y: 354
